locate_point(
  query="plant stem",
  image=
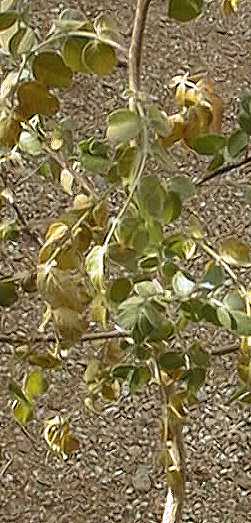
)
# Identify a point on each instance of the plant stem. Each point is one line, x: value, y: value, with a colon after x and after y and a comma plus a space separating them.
x: 135, y: 51
x: 219, y: 260
x: 89, y: 336
x: 134, y: 66
x: 224, y: 170
x: 138, y: 174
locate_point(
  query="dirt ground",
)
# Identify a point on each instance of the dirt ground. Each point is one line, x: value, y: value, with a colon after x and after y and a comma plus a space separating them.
x: 114, y: 477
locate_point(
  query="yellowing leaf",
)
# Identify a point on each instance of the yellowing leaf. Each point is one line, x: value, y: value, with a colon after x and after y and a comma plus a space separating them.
x: 185, y: 10
x: 123, y: 125
x: 230, y: 6
x: 94, y: 265
x: 199, y: 121
x: 35, y: 384
x: 34, y: 98
x: 56, y: 232
x: 235, y: 252
x: 10, y: 131
x: 50, y: 69
x: 72, y: 54
x: 70, y: 325
x: 23, y: 412
x: 100, y: 58
x: 8, y: 292
x: 66, y: 180
x: 7, y: 19
x: 176, y: 122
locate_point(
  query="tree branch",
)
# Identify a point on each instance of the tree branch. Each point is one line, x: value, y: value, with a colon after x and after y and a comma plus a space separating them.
x: 224, y: 170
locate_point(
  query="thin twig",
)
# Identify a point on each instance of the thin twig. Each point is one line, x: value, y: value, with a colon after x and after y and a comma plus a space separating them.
x: 224, y: 170
x: 5, y: 467
x: 88, y: 336
x: 225, y: 351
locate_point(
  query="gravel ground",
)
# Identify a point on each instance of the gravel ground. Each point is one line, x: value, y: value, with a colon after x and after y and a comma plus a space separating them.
x: 115, y: 476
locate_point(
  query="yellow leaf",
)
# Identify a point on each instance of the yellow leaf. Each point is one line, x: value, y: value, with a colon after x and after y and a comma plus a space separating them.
x: 10, y: 131
x: 100, y: 58
x: 70, y: 324
x: 66, y: 180
x: 34, y: 98
x: 176, y: 122
x: 50, y: 69
x: 230, y: 6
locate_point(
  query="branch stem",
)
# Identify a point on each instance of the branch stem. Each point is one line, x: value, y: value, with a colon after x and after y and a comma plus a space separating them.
x: 135, y: 51
x: 224, y: 170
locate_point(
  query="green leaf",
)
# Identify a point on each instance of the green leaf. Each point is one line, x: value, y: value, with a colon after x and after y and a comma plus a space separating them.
x: 245, y: 113
x: 243, y: 323
x: 123, y: 256
x: 122, y: 371
x: 45, y: 361
x: 129, y: 312
x: 245, y: 122
x: 35, y: 384
x: 9, y: 231
x: 94, y: 265
x: 123, y: 125
x: 195, y: 378
x: 237, y: 143
x: 17, y: 393
x: 171, y: 360
x: 159, y: 120
x: 234, y: 302
x: 235, y: 252
x: 126, y: 161
x: 172, y: 207
x: 224, y: 317
x: 8, y: 292
x: 23, y: 412
x: 163, y: 332
x: 30, y: 144
x: 99, y: 58
x: 147, y: 289
x: 169, y: 269
x: 151, y: 196
x: 120, y: 289
x: 139, y: 377
x: 216, y: 162
x: 7, y: 19
x: 50, y: 69
x: 185, y: 10
x: 214, y: 277
x: 199, y: 356
x: 209, y: 144
x: 22, y: 41
x: 182, y: 285
x: 183, y: 186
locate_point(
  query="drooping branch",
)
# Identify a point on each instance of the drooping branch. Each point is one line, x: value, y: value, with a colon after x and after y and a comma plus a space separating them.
x: 224, y: 170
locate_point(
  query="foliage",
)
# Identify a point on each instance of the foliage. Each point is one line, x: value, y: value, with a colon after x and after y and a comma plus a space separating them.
x: 133, y: 271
